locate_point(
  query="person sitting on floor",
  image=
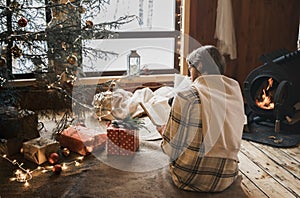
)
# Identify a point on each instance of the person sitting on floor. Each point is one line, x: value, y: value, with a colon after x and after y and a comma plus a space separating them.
x: 203, y: 134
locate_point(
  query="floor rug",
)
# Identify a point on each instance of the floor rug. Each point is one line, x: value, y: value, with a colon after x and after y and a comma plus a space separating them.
x: 264, y: 133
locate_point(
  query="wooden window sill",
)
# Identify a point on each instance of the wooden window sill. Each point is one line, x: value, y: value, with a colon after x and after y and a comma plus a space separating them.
x: 163, y: 78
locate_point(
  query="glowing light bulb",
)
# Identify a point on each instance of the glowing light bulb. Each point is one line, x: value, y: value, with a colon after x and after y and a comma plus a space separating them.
x: 80, y: 158
x: 64, y: 166
x: 18, y: 172
x: 13, y: 179
x: 26, y: 184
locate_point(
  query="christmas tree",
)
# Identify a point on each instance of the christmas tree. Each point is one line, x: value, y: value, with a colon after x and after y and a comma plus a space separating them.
x: 45, y: 39
x: 47, y: 36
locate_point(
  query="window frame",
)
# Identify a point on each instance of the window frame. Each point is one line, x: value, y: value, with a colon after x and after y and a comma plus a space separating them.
x: 146, y: 34
x: 152, y: 34
x: 122, y: 35
x: 9, y: 43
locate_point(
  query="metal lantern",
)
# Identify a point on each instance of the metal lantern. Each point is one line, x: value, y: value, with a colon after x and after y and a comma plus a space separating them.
x: 133, y: 68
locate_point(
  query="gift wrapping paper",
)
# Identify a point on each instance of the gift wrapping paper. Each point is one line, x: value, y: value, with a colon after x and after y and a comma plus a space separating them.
x: 122, y: 141
x: 39, y: 149
x: 82, y: 140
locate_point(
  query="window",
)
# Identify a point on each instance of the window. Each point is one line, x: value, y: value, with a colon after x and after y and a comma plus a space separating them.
x: 21, y: 44
x: 31, y: 41
x: 154, y: 34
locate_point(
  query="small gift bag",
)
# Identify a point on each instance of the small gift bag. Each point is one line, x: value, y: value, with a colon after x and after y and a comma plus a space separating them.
x: 102, y: 102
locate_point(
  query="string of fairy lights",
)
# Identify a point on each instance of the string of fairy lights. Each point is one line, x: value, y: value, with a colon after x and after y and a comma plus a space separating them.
x: 23, y: 175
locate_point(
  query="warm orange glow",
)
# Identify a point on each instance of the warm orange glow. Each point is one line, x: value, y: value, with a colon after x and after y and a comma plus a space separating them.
x: 266, y: 102
x: 26, y: 184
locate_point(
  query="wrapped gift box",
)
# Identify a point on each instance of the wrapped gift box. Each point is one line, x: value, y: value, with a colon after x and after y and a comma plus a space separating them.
x: 82, y: 140
x: 39, y: 149
x: 122, y: 141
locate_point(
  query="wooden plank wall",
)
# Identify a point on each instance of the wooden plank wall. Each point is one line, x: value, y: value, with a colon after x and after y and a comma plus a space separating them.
x: 262, y: 26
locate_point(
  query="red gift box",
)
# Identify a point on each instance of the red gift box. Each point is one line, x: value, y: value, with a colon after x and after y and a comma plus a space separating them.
x: 82, y: 140
x: 122, y: 141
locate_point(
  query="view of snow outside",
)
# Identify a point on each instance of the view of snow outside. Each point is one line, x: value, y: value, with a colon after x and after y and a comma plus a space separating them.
x: 155, y: 53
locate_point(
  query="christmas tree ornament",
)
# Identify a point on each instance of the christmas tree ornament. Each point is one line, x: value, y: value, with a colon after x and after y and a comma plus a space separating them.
x: 89, y: 24
x: 53, y: 158
x: 57, y: 169
x: 66, y: 152
x: 16, y: 51
x: 2, y: 61
x: 72, y: 59
x: 22, y: 22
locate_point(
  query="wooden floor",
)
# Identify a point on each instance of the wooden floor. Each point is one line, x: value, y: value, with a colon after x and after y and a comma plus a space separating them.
x: 268, y: 171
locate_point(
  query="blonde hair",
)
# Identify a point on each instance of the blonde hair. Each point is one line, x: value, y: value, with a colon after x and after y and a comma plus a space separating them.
x: 207, y: 59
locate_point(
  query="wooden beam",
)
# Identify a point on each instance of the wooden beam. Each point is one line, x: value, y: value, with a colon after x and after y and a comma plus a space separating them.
x: 185, y: 36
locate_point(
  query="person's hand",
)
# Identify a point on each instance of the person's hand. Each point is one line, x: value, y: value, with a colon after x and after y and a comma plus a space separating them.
x: 161, y: 129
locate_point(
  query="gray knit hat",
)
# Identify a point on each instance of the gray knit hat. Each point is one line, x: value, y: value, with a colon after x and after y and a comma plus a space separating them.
x: 207, y: 59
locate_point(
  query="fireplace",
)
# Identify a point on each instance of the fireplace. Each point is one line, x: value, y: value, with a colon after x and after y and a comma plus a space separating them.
x: 272, y: 91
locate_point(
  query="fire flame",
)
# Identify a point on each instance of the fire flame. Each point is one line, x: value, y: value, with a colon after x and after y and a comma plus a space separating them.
x: 266, y: 100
